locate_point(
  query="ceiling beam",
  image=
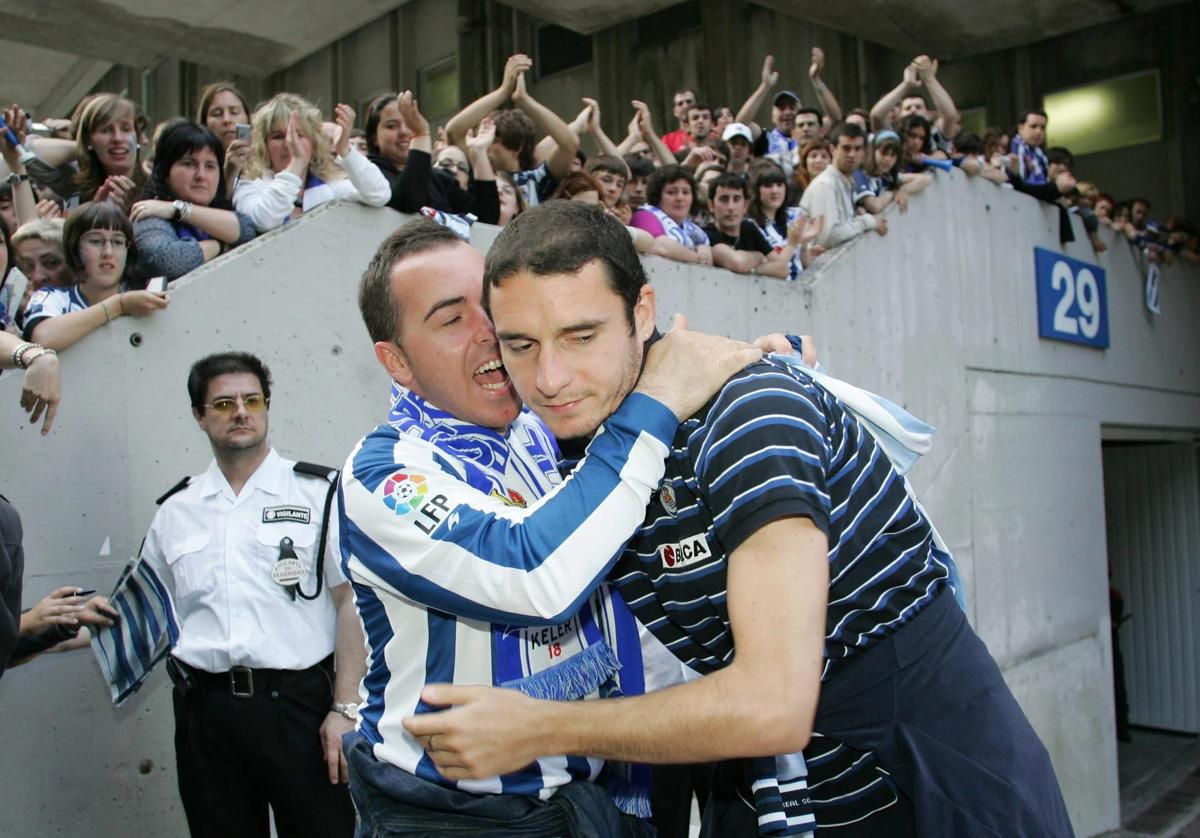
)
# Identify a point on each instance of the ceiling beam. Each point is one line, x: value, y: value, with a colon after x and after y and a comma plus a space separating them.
x: 107, y: 32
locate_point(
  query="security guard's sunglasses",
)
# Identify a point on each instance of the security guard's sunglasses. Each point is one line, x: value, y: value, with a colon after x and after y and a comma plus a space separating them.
x: 255, y: 403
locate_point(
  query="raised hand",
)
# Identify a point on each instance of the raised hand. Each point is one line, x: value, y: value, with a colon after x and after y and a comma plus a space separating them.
x: 344, y: 117
x: 924, y: 67
x: 818, y: 63
x: 770, y: 76
x: 593, y: 109
x: 298, y: 143
x: 513, y: 68
x: 645, y: 122
x: 479, y: 141
x: 414, y: 120
x: 520, y: 94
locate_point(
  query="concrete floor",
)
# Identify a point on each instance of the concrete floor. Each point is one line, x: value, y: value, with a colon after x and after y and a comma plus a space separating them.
x: 1160, y: 786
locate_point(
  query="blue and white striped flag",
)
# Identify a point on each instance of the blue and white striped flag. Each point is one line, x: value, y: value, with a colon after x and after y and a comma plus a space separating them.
x: 128, y: 650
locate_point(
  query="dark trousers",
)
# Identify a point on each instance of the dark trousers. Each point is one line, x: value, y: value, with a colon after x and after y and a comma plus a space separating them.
x: 931, y: 703
x: 726, y: 803
x: 392, y: 802
x: 671, y: 792
x: 237, y: 756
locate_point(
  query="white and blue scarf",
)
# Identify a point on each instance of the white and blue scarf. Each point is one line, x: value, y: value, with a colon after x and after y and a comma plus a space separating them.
x: 600, y: 652
x: 687, y: 234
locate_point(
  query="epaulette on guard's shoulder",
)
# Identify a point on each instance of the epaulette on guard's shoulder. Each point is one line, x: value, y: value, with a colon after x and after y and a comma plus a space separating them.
x: 178, y: 487
x: 328, y: 473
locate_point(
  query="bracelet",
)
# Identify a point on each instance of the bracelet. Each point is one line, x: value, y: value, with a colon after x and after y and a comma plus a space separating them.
x: 187, y: 211
x: 17, y: 353
x: 28, y: 362
x: 107, y: 316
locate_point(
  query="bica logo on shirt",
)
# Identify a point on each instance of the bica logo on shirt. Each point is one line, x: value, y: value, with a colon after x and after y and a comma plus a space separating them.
x: 404, y: 493
x: 687, y: 552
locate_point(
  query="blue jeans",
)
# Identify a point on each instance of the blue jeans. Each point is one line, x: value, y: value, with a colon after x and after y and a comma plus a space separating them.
x: 392, y: 802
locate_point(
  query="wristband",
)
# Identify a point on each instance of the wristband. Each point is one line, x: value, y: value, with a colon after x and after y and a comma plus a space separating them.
x: 107, y: 316
x: 17, y: 353
x: 26, y: 363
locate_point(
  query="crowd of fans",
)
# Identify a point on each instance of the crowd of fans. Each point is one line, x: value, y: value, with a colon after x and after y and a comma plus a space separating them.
x: 97, y: 206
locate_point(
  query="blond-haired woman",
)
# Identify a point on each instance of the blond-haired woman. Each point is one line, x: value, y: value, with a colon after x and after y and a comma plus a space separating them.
x: 293, y: 167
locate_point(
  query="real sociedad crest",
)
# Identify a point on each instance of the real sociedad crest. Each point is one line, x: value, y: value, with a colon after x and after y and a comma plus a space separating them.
x: 666, y: 496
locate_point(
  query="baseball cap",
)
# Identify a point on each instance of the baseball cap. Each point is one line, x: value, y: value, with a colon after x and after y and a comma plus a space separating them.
x: 786, y: 94
x: 737, y: 129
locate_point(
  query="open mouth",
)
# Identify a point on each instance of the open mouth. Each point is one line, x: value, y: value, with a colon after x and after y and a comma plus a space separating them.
x: 491, y: 375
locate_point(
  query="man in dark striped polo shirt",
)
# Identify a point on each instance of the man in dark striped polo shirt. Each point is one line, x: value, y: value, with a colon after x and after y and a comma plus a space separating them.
x: 780, y: 522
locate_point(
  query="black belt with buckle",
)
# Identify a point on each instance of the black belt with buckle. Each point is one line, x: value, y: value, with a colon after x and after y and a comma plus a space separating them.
x: 245, y: 681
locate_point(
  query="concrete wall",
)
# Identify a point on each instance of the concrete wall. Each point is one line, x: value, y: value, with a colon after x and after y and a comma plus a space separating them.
x: 940, y: 315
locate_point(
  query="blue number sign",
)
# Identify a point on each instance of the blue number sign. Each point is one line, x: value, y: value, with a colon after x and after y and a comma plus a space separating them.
x: 1072, y: 299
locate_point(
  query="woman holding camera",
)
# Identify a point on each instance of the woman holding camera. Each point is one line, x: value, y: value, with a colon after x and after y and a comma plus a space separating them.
x: 222, y: 109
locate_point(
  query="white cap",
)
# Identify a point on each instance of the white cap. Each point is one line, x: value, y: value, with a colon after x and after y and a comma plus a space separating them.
x: 737, y: 129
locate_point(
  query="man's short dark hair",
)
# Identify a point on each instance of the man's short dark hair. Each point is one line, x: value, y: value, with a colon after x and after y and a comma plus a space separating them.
x: 812, y: 111
x: 664, y: 175
x: 606, y: 163
x: 561, y: 237
x: 1060, y: 156
x: 639, y: 166
x: 699, y: 106
x: 728, y: 180
x: 379, y: 307
x: 968, y: 142
x: 851, y: 130
x: 516, y: 132
x: 224, y: 363
x: 1032, y: 112
x: 908, y: 96
x: 1139, y: 201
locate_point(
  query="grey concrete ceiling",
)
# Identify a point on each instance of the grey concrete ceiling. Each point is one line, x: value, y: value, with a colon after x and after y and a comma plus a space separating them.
x: 945, y: 28
x: 44, y: 44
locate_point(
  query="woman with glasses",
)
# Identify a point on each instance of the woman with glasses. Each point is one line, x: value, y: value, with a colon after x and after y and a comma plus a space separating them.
x: 185, y: 218
x: 398, y: 143
x: 98, y: 243
x: 294, y: 167
x: 464, y: 181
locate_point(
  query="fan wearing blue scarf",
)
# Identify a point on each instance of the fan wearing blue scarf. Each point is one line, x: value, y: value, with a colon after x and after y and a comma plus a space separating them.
x: 474, y: 562
x: 781, y: 526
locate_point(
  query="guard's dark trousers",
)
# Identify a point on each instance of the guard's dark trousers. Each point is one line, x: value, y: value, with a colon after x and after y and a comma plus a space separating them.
x: 236, y: 756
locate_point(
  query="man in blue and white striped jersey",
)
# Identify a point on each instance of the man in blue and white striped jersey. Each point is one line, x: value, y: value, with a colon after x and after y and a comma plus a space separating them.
x: 779, y: 522
x: 472, y: 561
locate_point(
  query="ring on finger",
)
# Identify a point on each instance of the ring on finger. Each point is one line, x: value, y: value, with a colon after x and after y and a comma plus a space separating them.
x: 431, y: 748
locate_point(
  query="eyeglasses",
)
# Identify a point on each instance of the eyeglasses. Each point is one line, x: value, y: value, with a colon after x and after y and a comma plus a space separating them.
x: 453, y: 165
x: 98, y: 241
x: 254, y: 403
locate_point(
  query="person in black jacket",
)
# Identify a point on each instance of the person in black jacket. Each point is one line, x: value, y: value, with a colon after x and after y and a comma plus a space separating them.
x: 398, y: 142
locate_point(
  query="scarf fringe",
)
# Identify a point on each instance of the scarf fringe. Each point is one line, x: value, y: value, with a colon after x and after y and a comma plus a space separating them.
x: 572, y: 679
x: 626, y: 796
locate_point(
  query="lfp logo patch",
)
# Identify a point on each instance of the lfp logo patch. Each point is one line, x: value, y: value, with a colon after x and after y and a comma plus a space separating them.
x: 404, y: 493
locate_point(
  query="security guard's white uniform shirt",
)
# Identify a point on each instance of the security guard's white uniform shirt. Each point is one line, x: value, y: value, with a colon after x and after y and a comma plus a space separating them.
x: 215, y: 550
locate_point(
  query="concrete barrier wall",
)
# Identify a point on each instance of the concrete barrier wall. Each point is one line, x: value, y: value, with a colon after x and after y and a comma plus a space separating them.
x: 940, y: 316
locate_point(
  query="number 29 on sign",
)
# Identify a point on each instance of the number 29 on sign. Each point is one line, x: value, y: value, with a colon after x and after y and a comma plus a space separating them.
x: 1072, y: 299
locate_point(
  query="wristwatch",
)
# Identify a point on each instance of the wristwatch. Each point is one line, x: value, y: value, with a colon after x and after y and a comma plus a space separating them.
x: 182, y: 210
x: 350, y: 711
x: 16, y: 177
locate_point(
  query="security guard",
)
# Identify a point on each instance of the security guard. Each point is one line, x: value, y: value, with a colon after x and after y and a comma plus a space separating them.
x: 259, y: 712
